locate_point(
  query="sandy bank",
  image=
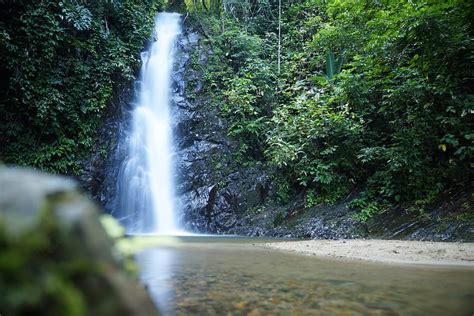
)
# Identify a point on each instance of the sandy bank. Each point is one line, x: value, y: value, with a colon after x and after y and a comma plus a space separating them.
x: 386, y: 251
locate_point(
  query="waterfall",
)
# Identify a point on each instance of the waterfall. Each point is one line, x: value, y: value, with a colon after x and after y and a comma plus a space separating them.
x: 144, y: 194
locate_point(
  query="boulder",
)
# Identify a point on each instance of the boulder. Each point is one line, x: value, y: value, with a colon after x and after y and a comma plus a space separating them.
x: 57, y: 258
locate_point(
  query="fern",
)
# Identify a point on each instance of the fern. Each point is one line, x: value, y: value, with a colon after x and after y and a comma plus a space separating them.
x: 77, y: 15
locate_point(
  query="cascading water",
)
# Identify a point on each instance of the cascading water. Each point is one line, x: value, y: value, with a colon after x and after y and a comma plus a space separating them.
x: 145, y: 181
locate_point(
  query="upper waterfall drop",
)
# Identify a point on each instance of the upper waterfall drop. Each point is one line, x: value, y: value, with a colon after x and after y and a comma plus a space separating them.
x: 145, y: 186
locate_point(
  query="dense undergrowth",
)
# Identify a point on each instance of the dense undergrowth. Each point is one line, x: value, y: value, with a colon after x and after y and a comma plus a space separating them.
x: 61, y: 62
x: 375, y: 95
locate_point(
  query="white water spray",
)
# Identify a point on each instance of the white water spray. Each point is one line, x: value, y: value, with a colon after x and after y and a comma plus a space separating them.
x: 145, y: 184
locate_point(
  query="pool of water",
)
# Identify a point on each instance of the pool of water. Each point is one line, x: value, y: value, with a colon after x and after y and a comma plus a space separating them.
x: 232, y: 276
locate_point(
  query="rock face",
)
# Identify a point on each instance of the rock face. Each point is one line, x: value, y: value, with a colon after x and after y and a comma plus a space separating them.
x: 214, y: 191
x: 449, y: 218
x: 99, y: 172
x: 62, y: 254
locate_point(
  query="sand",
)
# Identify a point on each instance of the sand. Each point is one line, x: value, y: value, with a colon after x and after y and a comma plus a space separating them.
x: 384, y: 251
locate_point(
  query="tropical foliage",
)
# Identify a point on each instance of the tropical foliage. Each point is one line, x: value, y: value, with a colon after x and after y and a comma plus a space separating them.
x: 60, y: 63
x: 372, y: 94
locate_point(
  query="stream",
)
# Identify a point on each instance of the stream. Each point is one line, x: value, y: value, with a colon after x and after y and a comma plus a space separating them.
x: 233, y: 276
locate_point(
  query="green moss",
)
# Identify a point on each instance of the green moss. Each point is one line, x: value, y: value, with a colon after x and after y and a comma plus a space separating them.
x: 38, y: 275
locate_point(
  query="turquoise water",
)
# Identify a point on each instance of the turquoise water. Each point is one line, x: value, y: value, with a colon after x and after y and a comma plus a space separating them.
x: 232, y: 276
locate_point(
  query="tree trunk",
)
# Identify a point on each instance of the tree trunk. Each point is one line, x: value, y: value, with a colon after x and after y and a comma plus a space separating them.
x: 279, y: 36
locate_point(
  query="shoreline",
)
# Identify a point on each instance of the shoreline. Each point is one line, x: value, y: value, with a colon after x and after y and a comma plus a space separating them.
x: 383, y: 251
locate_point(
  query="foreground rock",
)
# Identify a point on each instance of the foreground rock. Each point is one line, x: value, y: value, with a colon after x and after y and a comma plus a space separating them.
x: 386, y: 251
x: 56, y: 258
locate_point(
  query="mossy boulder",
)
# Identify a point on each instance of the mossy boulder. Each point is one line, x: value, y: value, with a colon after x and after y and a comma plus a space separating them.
x: 56, y: 258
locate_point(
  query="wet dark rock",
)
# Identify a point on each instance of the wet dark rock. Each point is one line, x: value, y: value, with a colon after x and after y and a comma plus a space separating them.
x: 100, y: 171
x: 442, y: 221
x: 213, y: 189
x: 193, y: 38
x: 294, y: 220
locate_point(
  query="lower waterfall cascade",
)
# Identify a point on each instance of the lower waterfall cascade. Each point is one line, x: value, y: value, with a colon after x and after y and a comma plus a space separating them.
x: 145, y: 185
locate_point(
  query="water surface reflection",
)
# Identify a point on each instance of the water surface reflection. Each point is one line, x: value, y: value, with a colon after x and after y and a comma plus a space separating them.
x: 233, y: 277
x: 158, y: 267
